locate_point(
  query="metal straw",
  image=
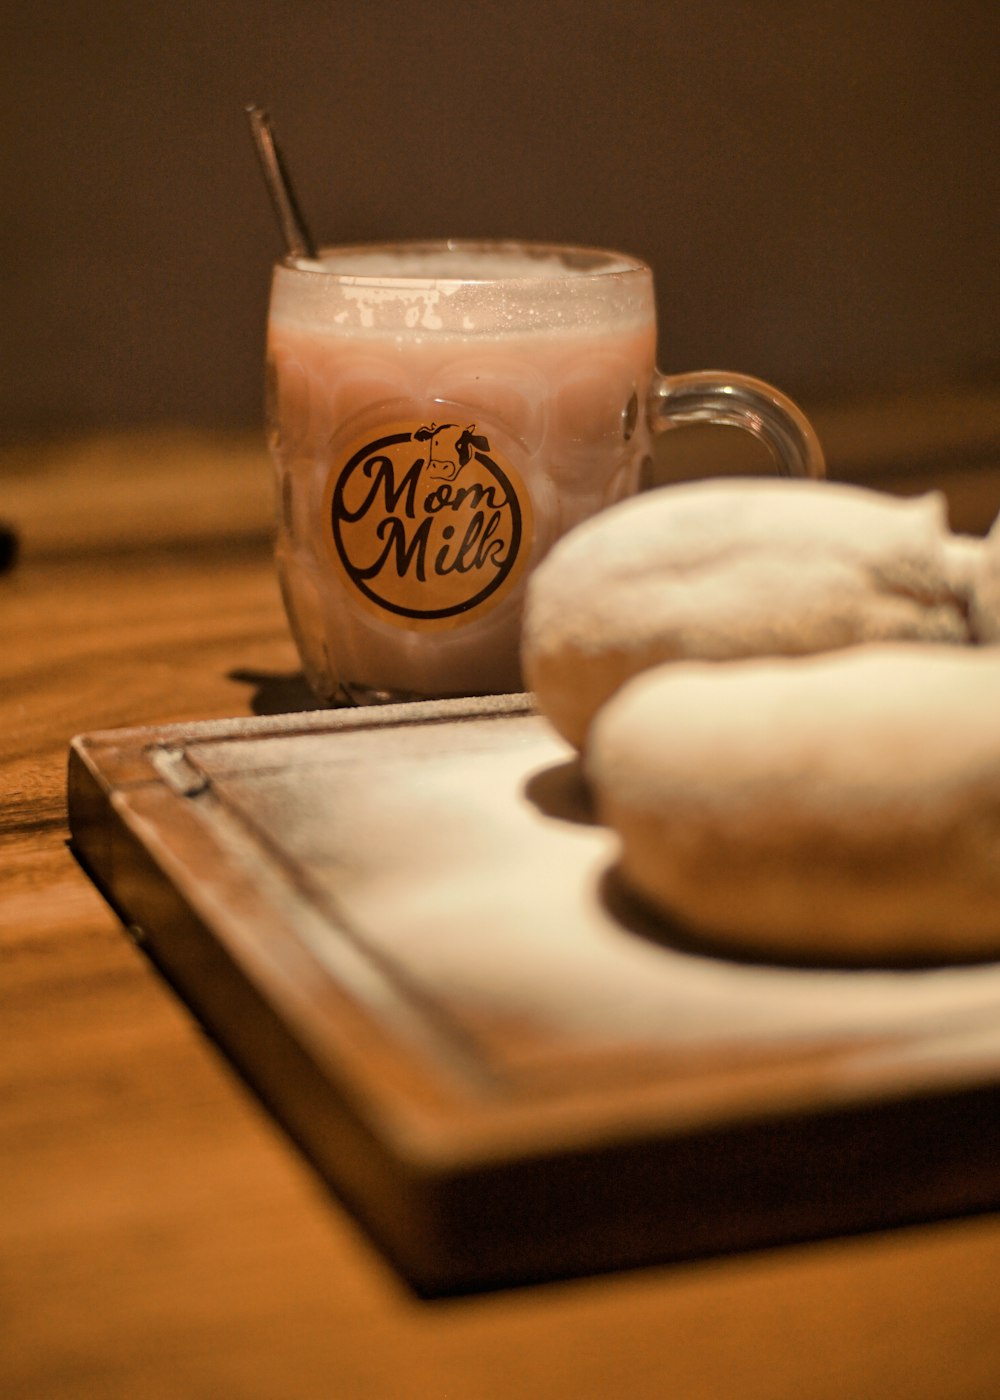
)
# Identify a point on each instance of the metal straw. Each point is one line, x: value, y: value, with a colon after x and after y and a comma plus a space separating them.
x: 298, y: 240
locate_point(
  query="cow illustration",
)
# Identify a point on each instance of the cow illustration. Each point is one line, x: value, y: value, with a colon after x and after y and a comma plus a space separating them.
x: 450, y: 448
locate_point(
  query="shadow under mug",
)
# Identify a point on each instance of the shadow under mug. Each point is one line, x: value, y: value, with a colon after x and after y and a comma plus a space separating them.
x: 439, y: 414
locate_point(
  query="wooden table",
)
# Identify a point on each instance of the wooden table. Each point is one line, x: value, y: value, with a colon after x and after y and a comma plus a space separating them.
x: 159, y: 1237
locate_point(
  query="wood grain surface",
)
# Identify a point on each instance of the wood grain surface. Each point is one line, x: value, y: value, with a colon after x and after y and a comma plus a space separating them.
x: 158, y: 1236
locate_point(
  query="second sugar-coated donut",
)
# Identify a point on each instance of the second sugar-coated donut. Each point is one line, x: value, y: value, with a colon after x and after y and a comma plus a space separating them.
x: 844, y: 806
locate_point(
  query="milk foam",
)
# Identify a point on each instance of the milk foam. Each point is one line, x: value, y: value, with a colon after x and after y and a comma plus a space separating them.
x: 462, y: 292
x: 464, y: 264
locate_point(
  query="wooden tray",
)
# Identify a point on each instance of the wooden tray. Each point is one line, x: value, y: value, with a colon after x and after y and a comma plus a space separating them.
x: 404, y: 928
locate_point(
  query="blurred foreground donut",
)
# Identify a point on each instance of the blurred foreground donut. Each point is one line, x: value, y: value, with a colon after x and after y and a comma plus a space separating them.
x: 733, y: 568
x: 984, y: 576
x: 843, y: 806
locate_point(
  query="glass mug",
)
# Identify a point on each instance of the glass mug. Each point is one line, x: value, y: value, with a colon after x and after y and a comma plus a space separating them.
x: 439, y: 415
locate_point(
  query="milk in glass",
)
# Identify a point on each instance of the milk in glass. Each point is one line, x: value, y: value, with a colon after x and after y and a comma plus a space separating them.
x: 439, y: 415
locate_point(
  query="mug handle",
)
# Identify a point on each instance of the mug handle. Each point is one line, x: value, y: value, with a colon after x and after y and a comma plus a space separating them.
x: 737, y: 401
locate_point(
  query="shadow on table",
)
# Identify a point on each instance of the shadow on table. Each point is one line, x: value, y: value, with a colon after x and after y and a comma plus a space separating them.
x: 277, y: 692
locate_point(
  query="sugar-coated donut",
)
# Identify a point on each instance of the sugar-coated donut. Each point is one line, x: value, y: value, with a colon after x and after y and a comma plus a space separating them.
x: 842, y: 806
x: 984, y: 590
x: 734, y: 568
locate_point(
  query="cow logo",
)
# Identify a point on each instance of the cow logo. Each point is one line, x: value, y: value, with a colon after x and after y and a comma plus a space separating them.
x: 427, y: 522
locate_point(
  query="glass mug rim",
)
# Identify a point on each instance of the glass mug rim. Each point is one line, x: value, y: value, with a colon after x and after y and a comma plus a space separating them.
x: 580, y: 263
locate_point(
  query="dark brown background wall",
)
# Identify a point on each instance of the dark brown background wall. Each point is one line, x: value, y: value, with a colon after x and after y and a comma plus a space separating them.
x: 814, y: 183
